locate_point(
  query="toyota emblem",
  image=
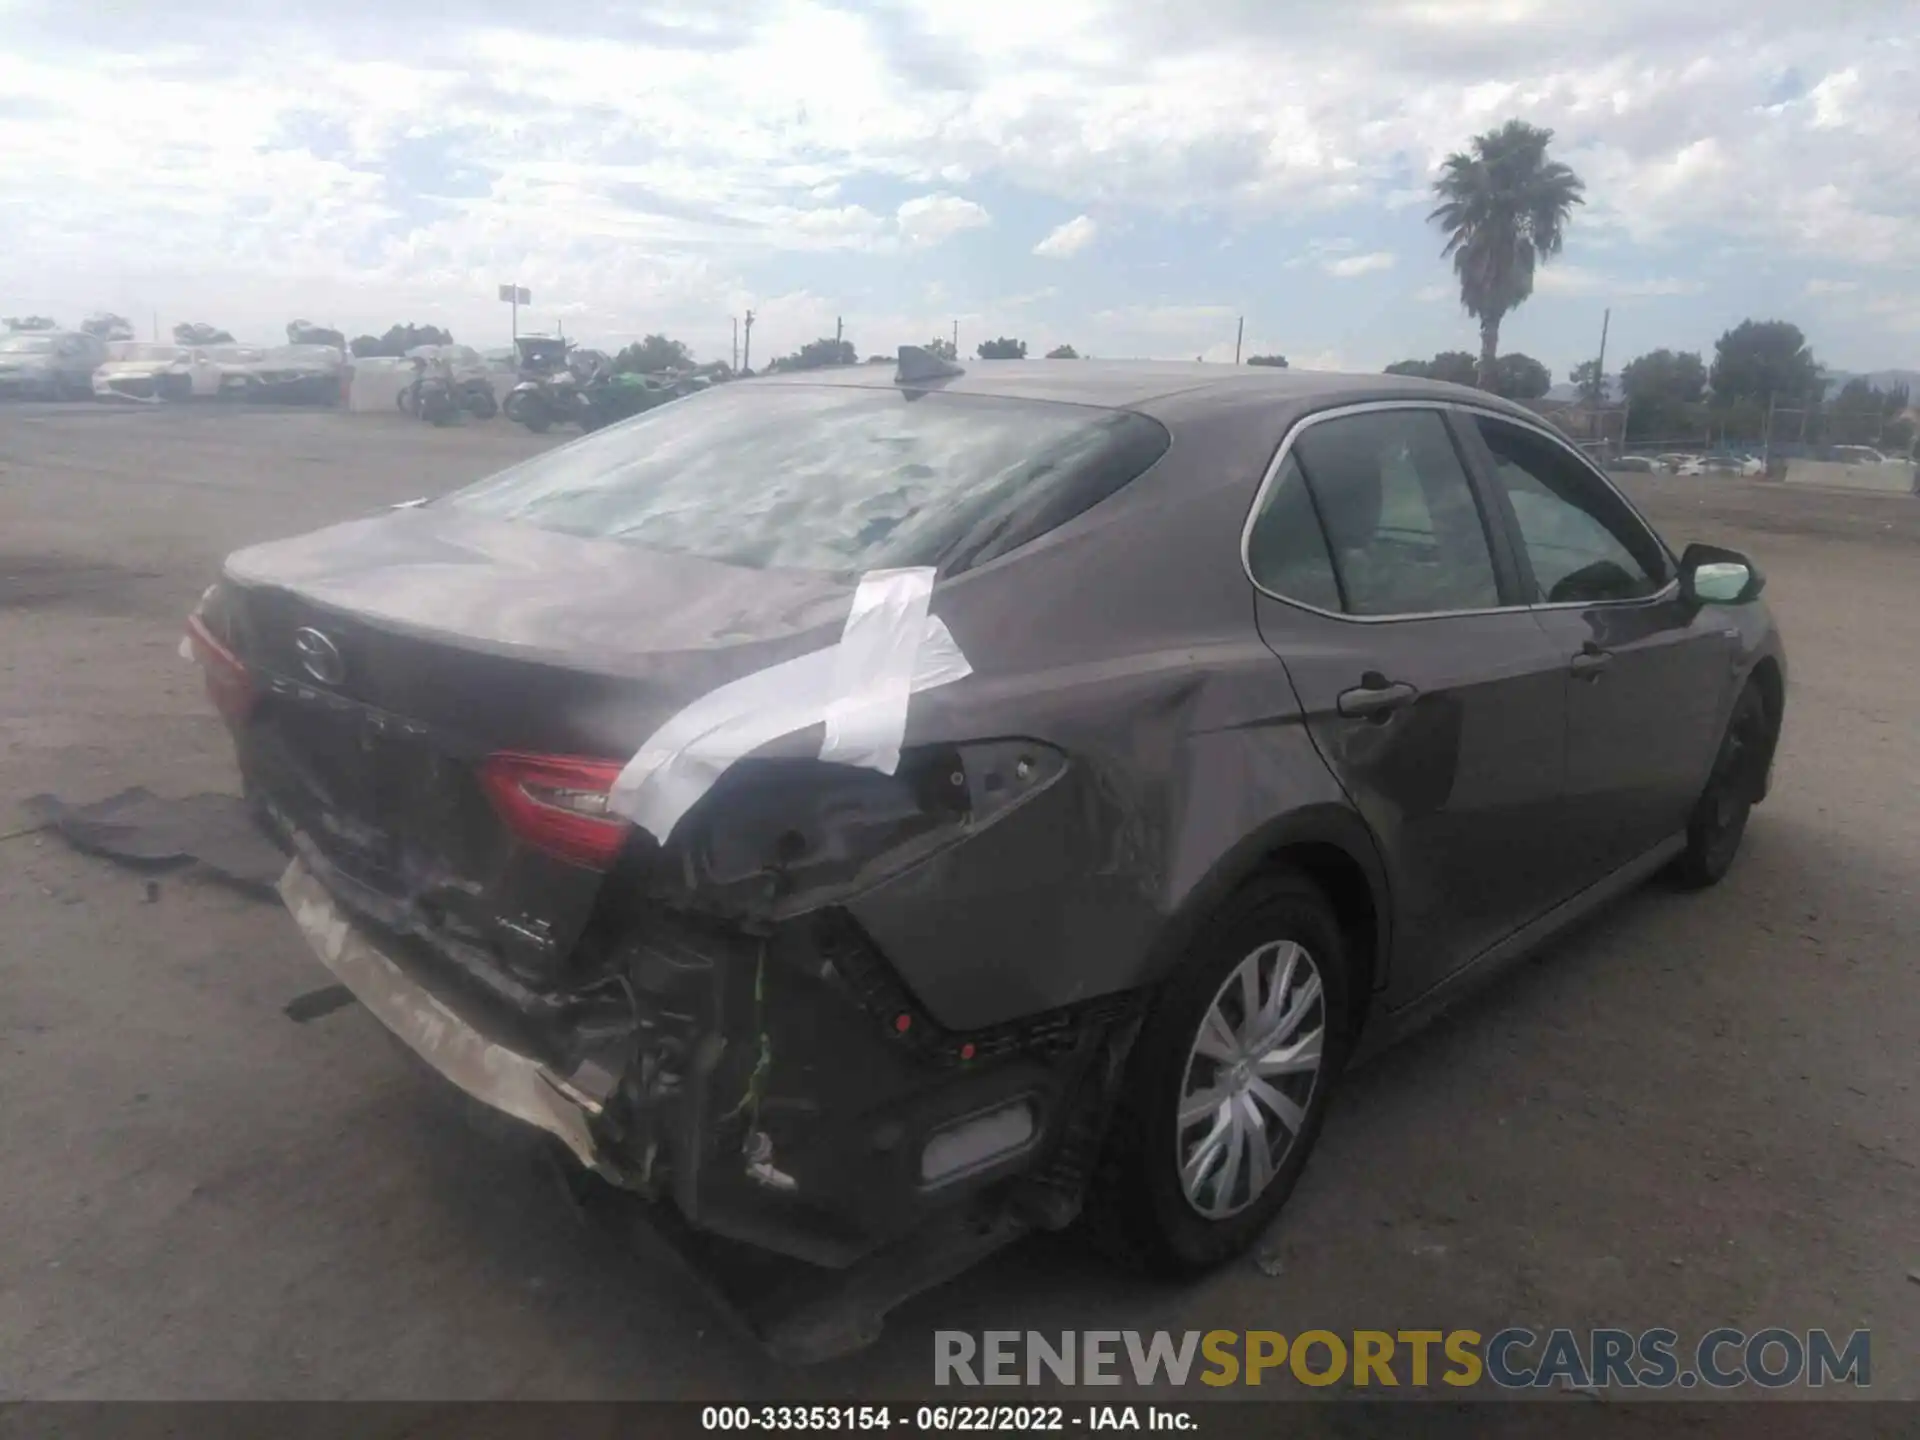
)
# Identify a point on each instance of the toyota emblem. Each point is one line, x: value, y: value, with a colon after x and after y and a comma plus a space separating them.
x: 319, y: 656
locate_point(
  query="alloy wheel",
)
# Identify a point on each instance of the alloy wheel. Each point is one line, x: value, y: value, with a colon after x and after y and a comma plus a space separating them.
x: 1250, y: 1075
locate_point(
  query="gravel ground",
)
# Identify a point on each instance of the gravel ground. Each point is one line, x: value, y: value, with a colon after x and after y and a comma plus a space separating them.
x: 1696, y: 1111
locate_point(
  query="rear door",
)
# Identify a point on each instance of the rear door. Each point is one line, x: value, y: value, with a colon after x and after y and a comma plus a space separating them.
x: 1648, y: 675
x: 1433, y: 695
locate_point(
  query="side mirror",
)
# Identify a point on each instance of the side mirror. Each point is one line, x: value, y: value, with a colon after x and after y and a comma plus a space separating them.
x: 1712, y: 576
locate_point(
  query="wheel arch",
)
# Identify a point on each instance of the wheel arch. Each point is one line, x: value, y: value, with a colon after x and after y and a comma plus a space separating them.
x: 1332, y: 847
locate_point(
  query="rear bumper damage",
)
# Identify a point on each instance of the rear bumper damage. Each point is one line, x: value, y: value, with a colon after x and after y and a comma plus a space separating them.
x: 801, y: 1138
x: 490, y: 1071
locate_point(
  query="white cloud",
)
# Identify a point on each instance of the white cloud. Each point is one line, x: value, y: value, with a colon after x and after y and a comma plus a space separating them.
x: 1352, y: 265
x: 934, y: 218
x: 199, y: 157
x: 1560, y: 278
x: 1431, y: 293
x: 1068, y: 239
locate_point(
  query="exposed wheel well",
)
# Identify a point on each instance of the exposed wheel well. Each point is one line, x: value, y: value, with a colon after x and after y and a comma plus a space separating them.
x: 1344, y: 883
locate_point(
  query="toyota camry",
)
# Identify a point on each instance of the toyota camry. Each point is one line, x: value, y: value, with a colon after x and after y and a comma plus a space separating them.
x: 870, y: 814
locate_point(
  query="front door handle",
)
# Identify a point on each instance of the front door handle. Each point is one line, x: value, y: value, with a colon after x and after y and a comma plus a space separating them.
x: 1591, y: 660
x: 1375, y: 698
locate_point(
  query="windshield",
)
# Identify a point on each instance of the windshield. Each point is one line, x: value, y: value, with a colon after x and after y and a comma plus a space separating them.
x: 133, y: 351
x: 26, y: 344
x: 829, y: 478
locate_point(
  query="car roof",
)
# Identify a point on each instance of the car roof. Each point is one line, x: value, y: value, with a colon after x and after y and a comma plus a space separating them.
x: 1163, y: 388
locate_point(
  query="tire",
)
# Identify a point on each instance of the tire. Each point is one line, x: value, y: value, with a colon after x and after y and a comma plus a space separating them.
x: 1139, y: 1207
x: 1719, y: 820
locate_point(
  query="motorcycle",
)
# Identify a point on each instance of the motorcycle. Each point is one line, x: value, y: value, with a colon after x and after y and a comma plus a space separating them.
x: 433, y: 396
x: 471, y: 396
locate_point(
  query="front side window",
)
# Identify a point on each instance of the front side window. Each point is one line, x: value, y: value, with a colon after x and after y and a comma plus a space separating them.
x: 829, y: 478
x: 1399, y: 513
x: 1581, y: 542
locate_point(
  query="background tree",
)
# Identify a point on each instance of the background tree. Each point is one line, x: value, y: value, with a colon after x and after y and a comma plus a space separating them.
x: 1063, y: 352
x: 1662, y: 388
x: 818, y: 354
x: 398, y: 340
x: 31, y: 322
x: 1863, y: 414
x: 1589, y: 382
x: 1762, y: 360
x: 1456, y: 367
x: 1277, y: 362
x: 305, y: 332
x: 942, y: 348
x: 198, y: 332
x: 1504, y: 207
x: 1002, y: 349
x: 652, y: 355
x: 104, y: 325
x: 1521, y: 377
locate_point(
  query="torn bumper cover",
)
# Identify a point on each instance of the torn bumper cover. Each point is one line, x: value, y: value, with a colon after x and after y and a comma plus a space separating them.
x: 478, y: 1063
x: 812, y: 1148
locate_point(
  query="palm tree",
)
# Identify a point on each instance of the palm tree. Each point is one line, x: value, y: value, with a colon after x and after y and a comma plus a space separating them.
x: 1505, y: 207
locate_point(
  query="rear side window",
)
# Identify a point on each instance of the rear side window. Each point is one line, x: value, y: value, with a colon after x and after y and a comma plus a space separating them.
x: 1405, y: 531
x: 1286, y: 549
x: 830, y: 478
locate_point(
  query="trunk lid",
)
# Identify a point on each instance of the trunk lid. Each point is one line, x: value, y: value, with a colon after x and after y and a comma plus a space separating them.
x: 394, y: 654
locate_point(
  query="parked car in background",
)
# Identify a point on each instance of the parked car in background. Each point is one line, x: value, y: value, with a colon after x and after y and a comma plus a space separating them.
x: 1857, y: 455
x: 232, y: 367
x: 1251, y: 720
x: 155, y: 371
x: 293, y: 374
x: 1635, y: 464
x: 1673, y: 460
x: 49, y: 364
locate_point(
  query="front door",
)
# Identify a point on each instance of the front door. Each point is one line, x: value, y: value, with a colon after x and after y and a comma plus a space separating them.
x: 1649, y: 675
x: 1438, y: 705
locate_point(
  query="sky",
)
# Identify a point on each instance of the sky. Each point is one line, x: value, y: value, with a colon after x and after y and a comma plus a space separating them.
x: 1128, y: 178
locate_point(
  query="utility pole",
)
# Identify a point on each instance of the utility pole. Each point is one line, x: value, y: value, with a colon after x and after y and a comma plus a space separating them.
x: 838, y: 329
x: 1239, y: 334
x: 956, y: 339
x: 736, y: 344
x: 746, y: 349
x: 1766, y: 442
x: 1600, y: 366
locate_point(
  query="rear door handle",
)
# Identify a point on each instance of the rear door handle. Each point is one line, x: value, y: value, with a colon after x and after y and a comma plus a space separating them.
x: 1375, y: 698
x: 1591, y: 660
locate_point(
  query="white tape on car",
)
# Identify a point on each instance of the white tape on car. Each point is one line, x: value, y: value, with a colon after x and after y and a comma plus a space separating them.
x: 889, y: 650
x: 873, y: 669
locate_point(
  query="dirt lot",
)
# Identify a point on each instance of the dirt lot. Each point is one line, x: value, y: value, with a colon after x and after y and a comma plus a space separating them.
x: 1699, y: 1111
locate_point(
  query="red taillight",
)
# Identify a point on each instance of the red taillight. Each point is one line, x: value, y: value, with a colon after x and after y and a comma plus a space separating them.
x: 558, y: 803
x: 229, y: 686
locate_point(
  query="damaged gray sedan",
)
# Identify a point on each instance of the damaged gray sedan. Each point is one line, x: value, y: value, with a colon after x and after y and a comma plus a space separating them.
x: 870, y: 816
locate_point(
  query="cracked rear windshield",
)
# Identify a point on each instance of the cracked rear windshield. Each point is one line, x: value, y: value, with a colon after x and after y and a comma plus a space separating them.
x: 829, y: 478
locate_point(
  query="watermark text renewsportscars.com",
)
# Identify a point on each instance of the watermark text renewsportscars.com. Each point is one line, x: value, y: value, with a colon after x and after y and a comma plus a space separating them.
x: 1517, y: 1358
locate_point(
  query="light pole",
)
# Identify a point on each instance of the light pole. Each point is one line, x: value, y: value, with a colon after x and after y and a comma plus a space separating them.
x: 516, y: 296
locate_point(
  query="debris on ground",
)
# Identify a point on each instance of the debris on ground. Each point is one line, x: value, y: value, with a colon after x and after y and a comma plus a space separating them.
x: 316, y: 1003
x: 139, y: 828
